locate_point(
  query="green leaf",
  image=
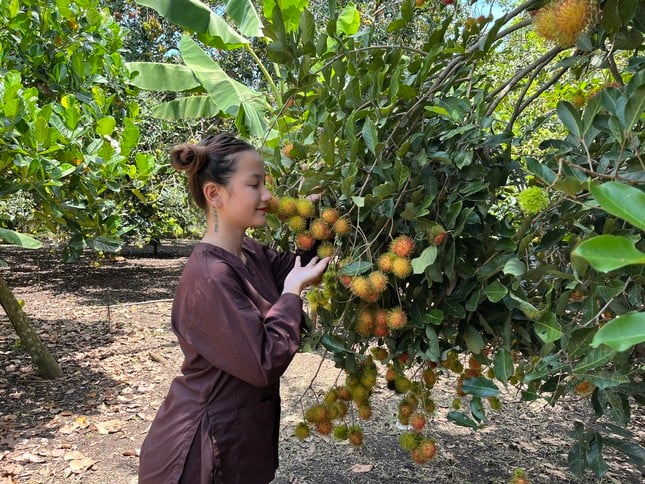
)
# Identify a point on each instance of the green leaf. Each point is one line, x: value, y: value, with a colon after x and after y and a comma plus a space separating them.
x: 434, y: 316
x: 156, y: 76
x: 480, y: 387
x: 370, y: 135
x: 461, y: 419
x: 349, y: 20
x: 426, y: 259
x: 198, y: 17
x: 355, y: 268
x: 606, y: 253
x: 622, y: 332
x: 570, y: 117
x: 634, y: 452
x: 333, y: 344
x: 496, y: 291
x: 21, y: 240
x: 245, y: 16
x: 621, y: 200
x: 503, y: 365
x: 186, y: 108
x: 515, y: 267
x: 105, y: 126
x: 605, y: 379
x: 595, y: 358
x: 474, y: 340
x: 477, y: 409
x: 548, y: 328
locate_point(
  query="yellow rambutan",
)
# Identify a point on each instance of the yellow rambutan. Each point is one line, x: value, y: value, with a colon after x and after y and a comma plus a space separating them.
x: 401, y: 267
x: 326, y: 249
x: 316, y: 413
x: 360, y: 286
x: 304, y: 241
x: 364, y: 324
x: 286, y: 208
x: 571, y: 18
x: 341, y: 226
x: 296, y: 223
x: 319, y: 229
x: 377, y: 281
x: 329, y: 215
x: 402, y: 246
x: 305, y: 208
x: 384, y: 261
x: 396, y: 318
x: 544, y: 23
x: 338, y: 409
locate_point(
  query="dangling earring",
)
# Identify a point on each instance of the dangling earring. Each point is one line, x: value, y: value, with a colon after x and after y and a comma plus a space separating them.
x: 215, y: 220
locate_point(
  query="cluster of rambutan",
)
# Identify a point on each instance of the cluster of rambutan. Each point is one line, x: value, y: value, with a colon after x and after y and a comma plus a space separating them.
x: 397, y: 259
x: 562, y: 21
x: 378, y: 322
x: 473, y: 370
x: 328, y: 417
x: 302, y: 220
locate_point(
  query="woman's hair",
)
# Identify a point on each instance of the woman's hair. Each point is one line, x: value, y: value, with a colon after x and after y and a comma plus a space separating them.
x: 214, y: 159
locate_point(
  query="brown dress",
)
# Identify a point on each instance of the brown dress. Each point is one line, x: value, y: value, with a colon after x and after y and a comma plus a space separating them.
x: 220, y: 420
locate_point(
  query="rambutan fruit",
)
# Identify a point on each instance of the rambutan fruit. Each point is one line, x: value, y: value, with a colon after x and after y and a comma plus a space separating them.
x: 364, y: 412
x: 544, y: 23
x: 355, y: 436
x: 319, y: 230
x: 360, y: 286
x: 417, y: 421
x: 401, y: 383
x: 326, y: 249
x: 584, y: 388
x: 429, y: 377
x: 571, y: 18
x: 341, y: 432
x: 380, y: 323
x: 305, y: 208
x: 324, y: 427
x: 418, y: 457
x: 429, y: 404
x: 401, y: 267
x: 273, y: 204
x: 360, y: 394
x: 296, y: 223
x: 364, y: 324
x: 301, y: 431
x: 402, y: 246
x: 396, y: 318
x: 384, y: 261
x: 345, y: 280
x: 439, y: 238
x: 377, y: 281
x: 304, y: 241
x: 390, y: 373
x: 379, y: 353
x: 409, y: 440
x: 286, y: 208
x: 341, y: 226
x: 329, y: 215
x: 368, y: 377
x: 337, y: 410
x: 344, y: 393
x: 331, y: 397
x: 427, y: 448
x: 352, y: 379
x: 316, y: 413
x: 519, y: 477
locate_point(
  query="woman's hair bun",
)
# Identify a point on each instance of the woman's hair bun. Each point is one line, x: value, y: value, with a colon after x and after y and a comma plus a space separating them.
x: 188, y: 157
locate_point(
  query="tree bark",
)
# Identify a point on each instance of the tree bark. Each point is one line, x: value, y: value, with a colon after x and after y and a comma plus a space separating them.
x: 41, y: 357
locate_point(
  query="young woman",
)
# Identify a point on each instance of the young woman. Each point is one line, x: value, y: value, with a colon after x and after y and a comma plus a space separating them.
x: 237, y: 314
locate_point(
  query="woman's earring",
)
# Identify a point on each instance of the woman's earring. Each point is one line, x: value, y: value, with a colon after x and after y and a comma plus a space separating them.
x: 215, y: 220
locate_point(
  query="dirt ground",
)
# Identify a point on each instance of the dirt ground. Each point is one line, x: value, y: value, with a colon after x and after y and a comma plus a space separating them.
x: 108, y: 326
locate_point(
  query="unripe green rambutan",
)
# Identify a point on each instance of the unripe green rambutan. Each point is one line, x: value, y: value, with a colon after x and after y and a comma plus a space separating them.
x: 331, y: 397
x: 429, y: 377
x: 429, y: 405
x: 301, y: 431
x: 305, y: 207
x: 360, y: 394
x: 456, y: 403
x: 326, y: 249
x: 352, y: 379
x: 368, y: 378
x: 533, y: 200
x: 379, y: 353
x: 338, y: 409
x: 341, y: 432
x: 409, y: 440
x: 402, y: 384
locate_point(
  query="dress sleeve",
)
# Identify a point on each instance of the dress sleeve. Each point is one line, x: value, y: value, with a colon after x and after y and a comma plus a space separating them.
x: 225, y: 327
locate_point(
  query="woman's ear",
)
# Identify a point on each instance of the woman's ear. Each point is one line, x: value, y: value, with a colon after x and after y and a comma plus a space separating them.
x: 212, y: 194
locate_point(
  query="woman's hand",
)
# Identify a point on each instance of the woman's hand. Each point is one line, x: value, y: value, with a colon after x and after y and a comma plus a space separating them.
x: 302, y: 276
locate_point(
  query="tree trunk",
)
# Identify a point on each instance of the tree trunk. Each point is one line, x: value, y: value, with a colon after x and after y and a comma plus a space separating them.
x: 41, y: 357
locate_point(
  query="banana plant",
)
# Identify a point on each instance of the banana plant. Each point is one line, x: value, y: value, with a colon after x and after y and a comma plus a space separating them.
x: 209, y: 90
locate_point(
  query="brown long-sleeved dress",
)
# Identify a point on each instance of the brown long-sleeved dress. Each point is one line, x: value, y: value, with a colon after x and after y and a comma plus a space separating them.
x: 219, y: 421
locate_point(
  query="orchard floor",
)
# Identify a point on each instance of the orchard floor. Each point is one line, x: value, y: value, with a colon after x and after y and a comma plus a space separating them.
x: 108, y: 326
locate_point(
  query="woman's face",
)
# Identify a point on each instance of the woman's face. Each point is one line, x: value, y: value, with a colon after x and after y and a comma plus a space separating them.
x: 245, y: 198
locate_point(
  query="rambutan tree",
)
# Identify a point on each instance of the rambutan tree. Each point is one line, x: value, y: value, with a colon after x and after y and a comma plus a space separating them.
x: 452, y: 245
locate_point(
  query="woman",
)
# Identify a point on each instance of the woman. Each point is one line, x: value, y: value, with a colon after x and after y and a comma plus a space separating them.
x: 237, y: 314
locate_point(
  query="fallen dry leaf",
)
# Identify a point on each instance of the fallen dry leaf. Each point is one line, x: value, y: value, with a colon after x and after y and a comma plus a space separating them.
x: 361, y: 468
x: 73, y: 455
x: 80, y: 465
x: 109, y: 427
